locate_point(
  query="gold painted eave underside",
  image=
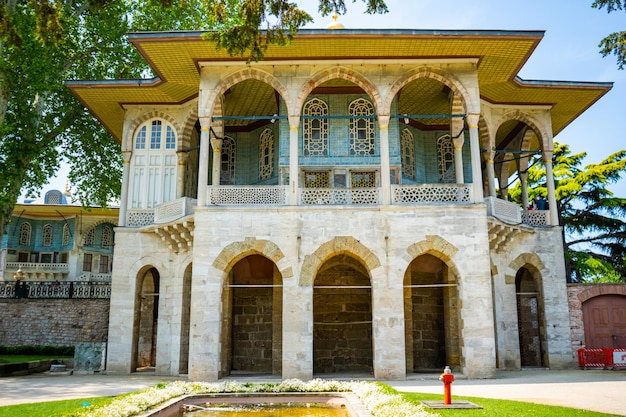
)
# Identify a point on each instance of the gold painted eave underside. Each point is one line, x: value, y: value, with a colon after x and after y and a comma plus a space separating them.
x: 499, y: 58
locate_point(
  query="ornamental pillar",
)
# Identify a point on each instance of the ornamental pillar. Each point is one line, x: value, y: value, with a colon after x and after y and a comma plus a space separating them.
x: 203, y: 168
x: 491, y: 174
x: 385, y: 180
x: 458, y: 159
x: 180, y: 173
x: 126, y: 155
x: 294, y: 123
x: 523, y: 177
x: 472, y: 120
x: 554, y: 214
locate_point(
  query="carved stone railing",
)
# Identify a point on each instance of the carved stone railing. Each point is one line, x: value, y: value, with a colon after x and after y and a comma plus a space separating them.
x: 431, y: 193
x: 140, y: 218
x: 536, y: 217
x: 248, y: 195
x: 94, y: 276
x: 340, y: 196
x: 174, y: 210
x: 50, y: 289
x: 504, y: 210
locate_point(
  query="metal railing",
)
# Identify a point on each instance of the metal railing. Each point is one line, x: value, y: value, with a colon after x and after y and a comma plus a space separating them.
x: 55, y: 289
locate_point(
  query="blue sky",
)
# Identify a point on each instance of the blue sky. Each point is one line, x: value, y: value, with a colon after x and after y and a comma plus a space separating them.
x: 568, y: 52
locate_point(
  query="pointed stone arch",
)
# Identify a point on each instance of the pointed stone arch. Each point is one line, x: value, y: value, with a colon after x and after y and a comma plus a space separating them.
x: 236, y: 251
x: 339, y: 245
x: 531, y: 261
x: 437, y: 246
x: 545, y: 138
x: 237, y: 77
x: 333, y: 73
x: 447, y: 79
x: 155, y: 114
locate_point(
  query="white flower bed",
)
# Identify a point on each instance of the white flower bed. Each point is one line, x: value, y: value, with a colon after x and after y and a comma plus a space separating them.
x: 372, y: 395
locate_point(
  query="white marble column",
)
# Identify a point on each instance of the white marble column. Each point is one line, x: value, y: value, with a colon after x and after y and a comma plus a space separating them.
x: 294, y: 123
x: 385, y: 180
x: 554, y: 213
x: 477, y: 178
x: 203, y: 169
x: 458, y: 159
x: 126, y: 155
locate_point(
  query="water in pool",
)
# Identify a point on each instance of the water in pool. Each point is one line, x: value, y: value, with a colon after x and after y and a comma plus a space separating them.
x: 268, y: 410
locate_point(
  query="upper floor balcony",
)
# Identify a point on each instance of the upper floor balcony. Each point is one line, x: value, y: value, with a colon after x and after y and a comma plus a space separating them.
x: 37, y: 271
x: 405, y: 195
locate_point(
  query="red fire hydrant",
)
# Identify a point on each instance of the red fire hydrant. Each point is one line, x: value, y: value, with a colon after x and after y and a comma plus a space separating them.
x: 447, y: 379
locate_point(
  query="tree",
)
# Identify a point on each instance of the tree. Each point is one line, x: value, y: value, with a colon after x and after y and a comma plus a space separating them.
x: 615, y: 43
x: 44, y: 42
x: 591, y: 216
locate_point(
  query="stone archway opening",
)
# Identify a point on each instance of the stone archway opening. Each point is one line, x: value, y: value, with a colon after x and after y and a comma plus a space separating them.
x: 146, y: 321
x: 252, y: 325
x: 530, y: 320
x: 342, y: 318
x: 431, y: 313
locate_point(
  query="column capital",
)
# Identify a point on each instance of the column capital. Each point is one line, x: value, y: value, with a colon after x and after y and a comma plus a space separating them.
x: 205, y: 122
x: 383, y: 120
x: 294, y: 121
x: 472, y: 120
x: 488, y: 155
x: 547, y: 155
x: 458, y: 142
x: 126, y: 155
x: 216, y: 144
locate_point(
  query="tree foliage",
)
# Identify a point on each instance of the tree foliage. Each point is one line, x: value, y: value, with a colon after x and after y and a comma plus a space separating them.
x: 615, y: 43
x: 591, y: 215
x: 44, y: 42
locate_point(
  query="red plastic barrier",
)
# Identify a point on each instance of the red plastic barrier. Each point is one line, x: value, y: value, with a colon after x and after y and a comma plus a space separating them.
x: 601, y: 358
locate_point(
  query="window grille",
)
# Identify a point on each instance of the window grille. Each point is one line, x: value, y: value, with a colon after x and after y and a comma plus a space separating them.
x: 106, y: 237
x: 227, y: 171
x: 361, y: 129
x: 25, y: 233
x: 89, y: 239
x: 266, y: 154
x: 445, y: 156
x: 46, y: 239
x: 315, y: 130
x: 407, y: 151
x: 317, y: 179
x: 363, y: 179
x: 66, y: 235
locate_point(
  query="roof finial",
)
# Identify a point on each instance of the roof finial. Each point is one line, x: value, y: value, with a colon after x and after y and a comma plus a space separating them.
x: 334, y: 24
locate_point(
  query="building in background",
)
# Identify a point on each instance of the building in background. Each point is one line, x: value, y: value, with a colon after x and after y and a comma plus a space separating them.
x: 339, y: 207
x: 54, y: 240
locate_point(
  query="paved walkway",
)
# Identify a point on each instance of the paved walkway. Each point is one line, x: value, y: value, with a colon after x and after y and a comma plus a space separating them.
x: 596, y: 390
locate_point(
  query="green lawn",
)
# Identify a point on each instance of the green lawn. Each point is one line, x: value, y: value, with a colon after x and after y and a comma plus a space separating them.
x: 28, y: 358
x: 502, y: 408
x: 63, y: 408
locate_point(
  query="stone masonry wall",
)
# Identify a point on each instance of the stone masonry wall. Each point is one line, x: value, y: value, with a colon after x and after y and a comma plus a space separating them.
x: 53, y: 322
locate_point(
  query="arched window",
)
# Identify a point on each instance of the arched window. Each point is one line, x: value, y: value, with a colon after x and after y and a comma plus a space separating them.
x: 53, y: 197
x: 25, y: 230
x: 445, y: 158
x: 107, y: 237
x: 66, y: 235
x: 153, y: 170
x: 266, y: 154
x: 361, y: 128
x: 227, y: 171
x: 315, y: 128
x: 407, y: 151
x: 46, y: 238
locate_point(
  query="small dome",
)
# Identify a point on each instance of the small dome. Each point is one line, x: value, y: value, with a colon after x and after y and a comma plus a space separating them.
x: 335, y: 24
